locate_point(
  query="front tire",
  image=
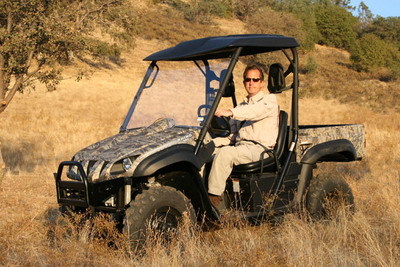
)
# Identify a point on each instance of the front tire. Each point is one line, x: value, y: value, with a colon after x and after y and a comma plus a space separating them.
x: 159, y: 208
x: 326, y: 195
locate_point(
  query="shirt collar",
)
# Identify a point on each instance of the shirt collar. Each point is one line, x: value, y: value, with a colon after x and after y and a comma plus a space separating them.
x: 255, y: 98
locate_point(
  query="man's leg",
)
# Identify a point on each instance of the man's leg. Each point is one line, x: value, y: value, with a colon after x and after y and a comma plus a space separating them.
x: 223, y: 163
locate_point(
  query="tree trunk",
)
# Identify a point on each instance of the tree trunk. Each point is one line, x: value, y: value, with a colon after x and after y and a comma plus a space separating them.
x: 10, y: 94
x: 2, y: 81
x: 2, y: 167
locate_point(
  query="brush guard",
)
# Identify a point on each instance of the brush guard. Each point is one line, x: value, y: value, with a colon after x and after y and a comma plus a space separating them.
x: 72, y: 192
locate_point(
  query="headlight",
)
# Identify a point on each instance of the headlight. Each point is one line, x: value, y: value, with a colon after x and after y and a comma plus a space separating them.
x: 122, y: 166
x: 126, y: 164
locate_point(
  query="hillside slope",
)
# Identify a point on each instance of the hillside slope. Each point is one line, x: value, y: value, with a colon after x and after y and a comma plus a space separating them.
x: 41, y: 128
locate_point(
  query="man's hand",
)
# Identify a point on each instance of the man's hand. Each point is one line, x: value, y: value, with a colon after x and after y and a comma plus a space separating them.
x: 223, y: 112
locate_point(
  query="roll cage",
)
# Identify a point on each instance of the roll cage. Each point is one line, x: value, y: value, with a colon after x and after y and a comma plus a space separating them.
x: 233, y: 47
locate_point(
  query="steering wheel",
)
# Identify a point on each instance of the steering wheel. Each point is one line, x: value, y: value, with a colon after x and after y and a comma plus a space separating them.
x: 220, y: 127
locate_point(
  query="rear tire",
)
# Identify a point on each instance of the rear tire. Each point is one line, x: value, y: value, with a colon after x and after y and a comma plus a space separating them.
x: 159, y: 208
x: 327, y: 196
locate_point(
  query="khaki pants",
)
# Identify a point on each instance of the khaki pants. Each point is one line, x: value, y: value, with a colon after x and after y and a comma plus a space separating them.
x: 225, y: 158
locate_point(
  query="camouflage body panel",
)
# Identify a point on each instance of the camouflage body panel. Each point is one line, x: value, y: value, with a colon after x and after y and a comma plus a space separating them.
x: 310, y: 136
x: 98, y: 160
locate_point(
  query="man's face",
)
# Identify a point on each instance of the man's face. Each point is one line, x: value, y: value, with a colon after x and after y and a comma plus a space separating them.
x: 252, y: 82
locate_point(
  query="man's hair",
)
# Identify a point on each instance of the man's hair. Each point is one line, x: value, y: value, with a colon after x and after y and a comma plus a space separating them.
x: 253, y: 67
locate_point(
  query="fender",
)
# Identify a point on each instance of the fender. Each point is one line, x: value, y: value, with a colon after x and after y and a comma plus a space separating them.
x: 166, y: 157
x: 339, y: 150
x: 182, y: 153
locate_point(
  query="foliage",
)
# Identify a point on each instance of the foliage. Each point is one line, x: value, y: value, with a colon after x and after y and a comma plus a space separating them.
x: 341, y: 3
x: 198, y: 11
x: 304, y: 10
x: 336, y: 25
x: 311, y: 66
x: 371, y: 53
x: 365, y: 15
x: 37, y: 37
x: 277, y: 23
x: 379, y: 47
x: 242, y: 9
x: 387, y: 29
x: 171, y: 26
x: 202, y: 11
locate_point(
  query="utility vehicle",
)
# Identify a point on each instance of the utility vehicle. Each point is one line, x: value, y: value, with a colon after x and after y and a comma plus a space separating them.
x: 156, y: 167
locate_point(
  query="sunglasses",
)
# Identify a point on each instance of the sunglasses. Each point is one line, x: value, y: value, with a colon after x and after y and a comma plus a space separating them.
x: 255, y: 80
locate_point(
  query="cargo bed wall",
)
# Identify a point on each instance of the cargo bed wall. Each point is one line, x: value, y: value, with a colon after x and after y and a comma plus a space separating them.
x: 311, y: 135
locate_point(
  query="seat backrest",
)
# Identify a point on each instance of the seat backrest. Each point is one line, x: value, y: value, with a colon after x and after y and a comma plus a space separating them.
x: 276, y: 79
x: 282, y: 134
x: 269, y: 164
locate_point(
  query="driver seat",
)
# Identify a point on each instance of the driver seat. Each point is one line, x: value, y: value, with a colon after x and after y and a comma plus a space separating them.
x: 273, y: 162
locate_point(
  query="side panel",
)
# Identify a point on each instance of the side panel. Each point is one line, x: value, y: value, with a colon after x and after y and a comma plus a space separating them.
x: 310, y: 136
x: 249, y: 192
x: 256, y: 192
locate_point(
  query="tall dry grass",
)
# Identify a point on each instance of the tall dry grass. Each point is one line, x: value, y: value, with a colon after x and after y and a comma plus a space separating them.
x: 41, y: 129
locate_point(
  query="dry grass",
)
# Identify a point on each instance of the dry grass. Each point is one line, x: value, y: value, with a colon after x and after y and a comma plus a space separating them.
x: 41, y: 129
x: 334, y: 79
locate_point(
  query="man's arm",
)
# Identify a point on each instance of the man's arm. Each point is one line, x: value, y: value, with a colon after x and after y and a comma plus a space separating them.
x: 223, y: 112
x: 257, y: 111
x: 229, y: 140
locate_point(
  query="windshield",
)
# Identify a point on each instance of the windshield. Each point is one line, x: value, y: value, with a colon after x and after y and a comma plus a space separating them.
x: 182, y: 91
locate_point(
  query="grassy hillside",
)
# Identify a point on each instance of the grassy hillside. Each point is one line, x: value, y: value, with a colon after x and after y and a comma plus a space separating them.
x: 42, y: 128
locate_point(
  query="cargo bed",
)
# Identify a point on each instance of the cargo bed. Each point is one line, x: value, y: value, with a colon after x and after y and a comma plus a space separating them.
x: 311, y: 135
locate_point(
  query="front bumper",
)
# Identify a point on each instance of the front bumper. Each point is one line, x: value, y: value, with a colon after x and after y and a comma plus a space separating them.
x: 79, y: 191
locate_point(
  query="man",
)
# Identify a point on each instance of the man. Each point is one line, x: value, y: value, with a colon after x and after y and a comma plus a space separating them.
x: 256, y: 119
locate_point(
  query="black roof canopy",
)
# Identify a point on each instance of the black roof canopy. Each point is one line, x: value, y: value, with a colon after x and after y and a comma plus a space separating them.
x: 223, y: 46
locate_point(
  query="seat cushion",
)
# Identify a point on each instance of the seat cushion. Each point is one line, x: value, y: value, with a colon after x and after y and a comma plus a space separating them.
x: 255, y: 167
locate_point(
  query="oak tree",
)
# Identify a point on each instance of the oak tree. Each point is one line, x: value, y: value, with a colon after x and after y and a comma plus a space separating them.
x: 38, y: 37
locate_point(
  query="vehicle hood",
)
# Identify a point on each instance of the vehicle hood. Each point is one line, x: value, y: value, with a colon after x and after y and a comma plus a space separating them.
x: 137, y: 144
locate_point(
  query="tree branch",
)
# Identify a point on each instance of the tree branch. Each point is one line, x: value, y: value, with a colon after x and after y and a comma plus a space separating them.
x: 9, y: 20
x: 11, y: 93
x: 29, y: 60
x: 19, y: 80
x: 31, y: 74
x: 89, y: 12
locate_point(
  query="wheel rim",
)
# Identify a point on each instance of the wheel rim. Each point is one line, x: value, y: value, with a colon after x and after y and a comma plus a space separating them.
x: 165, y: 219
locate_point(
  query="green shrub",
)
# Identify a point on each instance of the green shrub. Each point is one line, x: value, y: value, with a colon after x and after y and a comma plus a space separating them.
x: 311, y: 66
x: 242, y: 9
x: 171, y: 26
x: 200, y: 11
x: 282, y: 23
x: 394, y: 74
x: 336, y: 25
x: 371, y: 53
x: 387, y: 29
x: 303, y: 10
